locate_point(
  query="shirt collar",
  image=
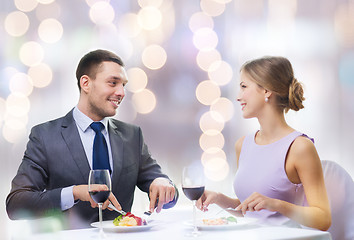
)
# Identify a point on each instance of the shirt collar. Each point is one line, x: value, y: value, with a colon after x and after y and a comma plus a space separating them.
x: 84, y: 121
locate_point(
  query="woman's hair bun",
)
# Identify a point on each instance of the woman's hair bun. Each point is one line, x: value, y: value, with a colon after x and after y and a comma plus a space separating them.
x: 296, y: 96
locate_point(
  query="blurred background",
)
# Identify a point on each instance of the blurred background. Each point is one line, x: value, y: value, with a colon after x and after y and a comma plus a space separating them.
x: 183, y: 59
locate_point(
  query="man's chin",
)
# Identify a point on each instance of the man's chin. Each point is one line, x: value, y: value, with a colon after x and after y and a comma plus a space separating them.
x: 113, y: 113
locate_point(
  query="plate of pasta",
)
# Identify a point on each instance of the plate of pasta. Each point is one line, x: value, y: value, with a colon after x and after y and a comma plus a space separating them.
x: 222, y: 223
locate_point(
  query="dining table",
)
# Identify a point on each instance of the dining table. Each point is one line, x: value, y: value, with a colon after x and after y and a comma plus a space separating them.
x: 177, y: 223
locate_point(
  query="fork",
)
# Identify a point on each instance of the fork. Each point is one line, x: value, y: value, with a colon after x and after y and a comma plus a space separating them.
x: 237, y: 213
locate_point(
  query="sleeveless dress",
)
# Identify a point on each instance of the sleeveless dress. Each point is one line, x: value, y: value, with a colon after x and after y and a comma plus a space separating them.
x: 262, y: 169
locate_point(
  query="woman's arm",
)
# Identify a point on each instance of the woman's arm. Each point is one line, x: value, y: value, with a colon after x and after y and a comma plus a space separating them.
x: 302, y: 166
x: 303, y: 156
x: 211, y: 197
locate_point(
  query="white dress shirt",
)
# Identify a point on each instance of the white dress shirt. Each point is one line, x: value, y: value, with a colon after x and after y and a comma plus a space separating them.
x: 87, y: 135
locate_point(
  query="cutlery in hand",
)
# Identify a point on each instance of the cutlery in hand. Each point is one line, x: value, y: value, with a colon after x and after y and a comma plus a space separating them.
x: 232, y: 211
x: 115, y: 209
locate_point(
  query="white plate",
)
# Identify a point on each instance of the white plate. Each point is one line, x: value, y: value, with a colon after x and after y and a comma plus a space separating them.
x: 242, y: 222
x: 110, y: 227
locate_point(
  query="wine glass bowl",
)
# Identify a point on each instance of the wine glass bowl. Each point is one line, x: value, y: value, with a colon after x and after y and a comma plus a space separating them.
x: 193, y: 185
x: 99, y: 187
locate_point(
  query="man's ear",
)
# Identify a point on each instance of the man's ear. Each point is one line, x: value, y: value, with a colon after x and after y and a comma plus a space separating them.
x: 85, y: 83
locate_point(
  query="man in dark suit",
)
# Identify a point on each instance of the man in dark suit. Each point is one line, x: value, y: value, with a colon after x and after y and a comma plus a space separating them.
x: 55, y: 168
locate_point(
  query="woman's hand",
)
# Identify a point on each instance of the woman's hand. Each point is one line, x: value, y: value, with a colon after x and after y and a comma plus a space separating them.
x: 257, y: 202
x: 208, y: 197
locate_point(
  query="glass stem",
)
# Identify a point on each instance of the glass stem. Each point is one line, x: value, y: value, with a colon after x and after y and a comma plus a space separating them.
x: 100, y: 219
x: 195, y: 230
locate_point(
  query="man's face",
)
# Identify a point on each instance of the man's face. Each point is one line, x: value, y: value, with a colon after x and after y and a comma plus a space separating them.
x: 106, y: 91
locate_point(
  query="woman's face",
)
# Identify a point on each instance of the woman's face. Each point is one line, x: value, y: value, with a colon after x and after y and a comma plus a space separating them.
x: 251, y: 96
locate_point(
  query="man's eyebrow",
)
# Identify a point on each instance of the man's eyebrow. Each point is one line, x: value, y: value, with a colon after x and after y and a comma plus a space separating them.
x: 118, y: 79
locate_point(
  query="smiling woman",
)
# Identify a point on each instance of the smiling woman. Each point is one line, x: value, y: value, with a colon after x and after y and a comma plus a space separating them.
x: 319, y: 42
x: 277, y: 166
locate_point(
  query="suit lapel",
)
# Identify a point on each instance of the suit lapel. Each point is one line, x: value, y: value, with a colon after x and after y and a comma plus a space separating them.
x: 72, y: 138
x: 117, y: 149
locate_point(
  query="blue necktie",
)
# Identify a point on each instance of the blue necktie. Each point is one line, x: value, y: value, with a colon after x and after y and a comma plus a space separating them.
x: 100, y: 159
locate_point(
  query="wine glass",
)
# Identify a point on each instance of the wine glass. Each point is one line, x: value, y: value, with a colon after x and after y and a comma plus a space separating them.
x: 99, y: 186
x: 193, y: 187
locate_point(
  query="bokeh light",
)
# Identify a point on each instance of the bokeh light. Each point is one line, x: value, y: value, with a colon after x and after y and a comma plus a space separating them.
x: 212, y: 153
x: 41, y: 75
x: 128, y: 24
x: 344, y: 24
x: 2, y: 109
x: 205, y: 39
x: 144, y: 101
x: 26, y: 5
x: 220, y: 72
x: 147, y: 3
x: 21, y: 83
x: 206, y: 58
x: 200, y: 20
x: 149, y: 18
x: 216, y: 169
x: 224, y: 107
x: 211, y: 139
x: 207, y: 92
x: 13, y: 131
x: 17, y: 105
x: 137, y: 80
x: 154, y: 57
x: 16, y: 23
x: 212, y: 7
x: 45, y: 1
x: 31, y: 53
x: 211, y: 121
x: 50, y: 30
x: 102, y: 13
x: 92, y: 2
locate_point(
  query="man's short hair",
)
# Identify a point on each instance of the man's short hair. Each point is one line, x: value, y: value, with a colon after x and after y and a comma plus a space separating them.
x: 89, y: 63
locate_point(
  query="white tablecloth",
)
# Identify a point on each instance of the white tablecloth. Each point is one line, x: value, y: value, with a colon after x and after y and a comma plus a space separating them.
x: 170, y: 224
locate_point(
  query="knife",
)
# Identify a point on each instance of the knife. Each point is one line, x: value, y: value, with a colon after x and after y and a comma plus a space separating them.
x: 115, y: 209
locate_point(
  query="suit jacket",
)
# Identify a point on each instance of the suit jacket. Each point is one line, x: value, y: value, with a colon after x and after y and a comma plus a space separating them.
x: 55, y: 158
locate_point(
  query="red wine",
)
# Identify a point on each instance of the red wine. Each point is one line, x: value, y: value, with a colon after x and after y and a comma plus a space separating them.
x: 100, y: 197
x: 193, y: 193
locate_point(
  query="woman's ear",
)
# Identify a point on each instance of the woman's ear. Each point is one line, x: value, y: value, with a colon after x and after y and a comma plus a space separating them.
x: 267, y: 93
x: 85, y: 83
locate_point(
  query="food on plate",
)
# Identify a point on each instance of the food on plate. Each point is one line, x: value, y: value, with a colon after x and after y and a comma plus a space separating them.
x: 219, y: 221
x: 129, y: 220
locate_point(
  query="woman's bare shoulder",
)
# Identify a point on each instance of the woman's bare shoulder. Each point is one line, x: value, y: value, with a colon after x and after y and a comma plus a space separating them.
x: 302, y: 145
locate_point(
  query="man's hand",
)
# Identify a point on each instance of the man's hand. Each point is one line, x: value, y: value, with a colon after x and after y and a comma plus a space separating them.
x: 162, y: 189
x: 81, y: 192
